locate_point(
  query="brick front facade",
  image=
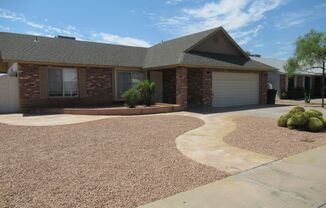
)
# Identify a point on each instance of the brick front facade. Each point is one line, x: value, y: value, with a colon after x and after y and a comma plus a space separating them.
x: 207, y: 88
x: 195, y: 87
x: 263, y: 76
x: 199, y: 87
x: 98, y: 89
x: 29, y: 85
x: 282, y: 83
x: 182, y: 87
x: 99, y: 83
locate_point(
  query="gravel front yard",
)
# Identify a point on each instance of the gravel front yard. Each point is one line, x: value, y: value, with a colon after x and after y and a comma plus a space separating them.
x: 262, y: 135
x: 117, y: 162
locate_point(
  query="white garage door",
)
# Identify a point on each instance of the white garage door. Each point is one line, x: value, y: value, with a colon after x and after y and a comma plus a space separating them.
x: 234, y: 89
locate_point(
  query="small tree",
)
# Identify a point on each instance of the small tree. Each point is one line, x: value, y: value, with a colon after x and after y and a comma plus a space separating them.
x: 131, y: 97
x: 146, y: 89
x: 310, y: 53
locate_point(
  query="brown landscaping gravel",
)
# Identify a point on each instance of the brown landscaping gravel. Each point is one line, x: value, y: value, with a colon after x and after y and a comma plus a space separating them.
x: 116, y: 162
x: 262, y: 135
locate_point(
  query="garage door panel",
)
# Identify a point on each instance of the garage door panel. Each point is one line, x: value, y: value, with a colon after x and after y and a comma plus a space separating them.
x: 231, y: 89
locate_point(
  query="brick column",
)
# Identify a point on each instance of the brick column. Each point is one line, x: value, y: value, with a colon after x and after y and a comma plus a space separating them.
x: 263, y: 76
x: 207, y: 88
x: 181, y: 87
x: 282, y: 83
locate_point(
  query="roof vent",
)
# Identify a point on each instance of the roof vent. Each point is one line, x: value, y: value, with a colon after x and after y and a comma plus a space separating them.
x: 65, y: 37
x: 255, y: 55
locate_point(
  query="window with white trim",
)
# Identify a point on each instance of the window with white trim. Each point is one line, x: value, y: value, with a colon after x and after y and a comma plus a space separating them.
x: 63, y: 82
x: 127, y: 80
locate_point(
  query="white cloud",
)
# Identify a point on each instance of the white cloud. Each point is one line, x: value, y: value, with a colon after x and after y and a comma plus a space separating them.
x: 173, y: 2
x: 244, y: 37
x: 3, y: 28
x: 116, y: 39
x: 291, y: 19
x: 50, y: 31
x: 258, y: 45
x: 234, y: 16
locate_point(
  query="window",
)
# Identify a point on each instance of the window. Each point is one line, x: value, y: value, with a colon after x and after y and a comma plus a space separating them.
x: 127, y: 80
x: 63, y: 82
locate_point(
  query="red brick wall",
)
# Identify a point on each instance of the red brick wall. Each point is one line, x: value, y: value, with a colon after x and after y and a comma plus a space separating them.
x: 282, y: 83
x: 182, y: 87
x: 98, y: 89
x: 195, y: 86
x: 169, y: 86
x: 207, y: 88
x: 263, y: 76
x: 99, y: 83
x: 29, y: 85
x: 199, y: 87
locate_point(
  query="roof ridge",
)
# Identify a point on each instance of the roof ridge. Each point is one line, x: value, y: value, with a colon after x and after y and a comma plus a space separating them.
x: 62, y: 39
x: 189, y: 35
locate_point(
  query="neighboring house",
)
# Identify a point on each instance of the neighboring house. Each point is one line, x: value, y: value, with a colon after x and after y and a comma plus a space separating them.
x: 207, y: 68
x: 309, y: 79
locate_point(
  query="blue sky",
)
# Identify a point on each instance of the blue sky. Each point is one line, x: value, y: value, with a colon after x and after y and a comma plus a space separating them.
x: 266, y: 27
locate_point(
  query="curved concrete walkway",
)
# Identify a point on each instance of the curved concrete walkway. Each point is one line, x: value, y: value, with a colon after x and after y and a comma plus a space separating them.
x: 206, y: 146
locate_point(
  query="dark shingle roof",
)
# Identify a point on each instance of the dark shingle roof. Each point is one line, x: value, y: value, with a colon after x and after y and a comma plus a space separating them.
x: 223, y: 61
x: 56, y: 50
x: 24, y: 48
x: 171, y: 52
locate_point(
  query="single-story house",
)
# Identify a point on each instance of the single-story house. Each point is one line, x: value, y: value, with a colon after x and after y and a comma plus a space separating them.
x: 307, y: 79
x: 207, y: 68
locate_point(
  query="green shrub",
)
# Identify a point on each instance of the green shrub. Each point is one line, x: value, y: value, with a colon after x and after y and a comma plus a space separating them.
x: 131, y: 97
x: 282, y: 121
x: 297, y: 109
x: 300, y: 120
x: 323, y: 119
x: 291, y: 123
x: 147, y: 92
x: 313, y: 113
x: 315, y: 125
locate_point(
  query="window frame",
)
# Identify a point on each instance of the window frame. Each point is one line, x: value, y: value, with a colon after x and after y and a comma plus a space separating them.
x: 63, y: 83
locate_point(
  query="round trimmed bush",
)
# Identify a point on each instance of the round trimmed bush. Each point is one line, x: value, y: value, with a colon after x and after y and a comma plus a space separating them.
x: 315, y: 125
x: 323, y: 119
x: 313, y: 113
x: 291, y: 123
x: 282, y: 121
x: 297, y: 109
x: 300, y: 119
